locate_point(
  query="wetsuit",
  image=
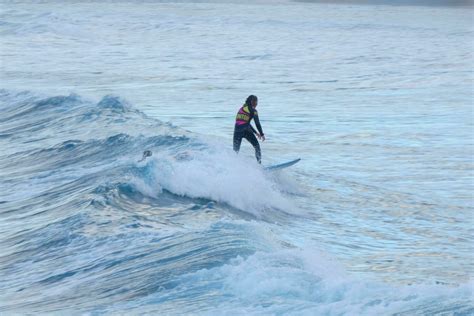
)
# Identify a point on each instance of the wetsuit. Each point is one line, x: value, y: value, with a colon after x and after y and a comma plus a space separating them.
x: 243, y: 129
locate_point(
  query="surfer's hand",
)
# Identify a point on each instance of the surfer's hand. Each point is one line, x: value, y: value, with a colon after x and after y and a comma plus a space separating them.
x: 262, y: 137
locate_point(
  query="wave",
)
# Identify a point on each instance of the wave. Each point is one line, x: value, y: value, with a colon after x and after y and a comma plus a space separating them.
x: 182, y: 163
x: 301, y: 282
x: 193, y: 228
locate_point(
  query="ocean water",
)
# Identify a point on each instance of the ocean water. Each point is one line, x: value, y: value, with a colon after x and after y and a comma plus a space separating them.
x: 377, y: 100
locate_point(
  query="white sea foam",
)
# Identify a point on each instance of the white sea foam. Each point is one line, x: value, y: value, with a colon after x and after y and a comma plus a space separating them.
x: 221, y: 176
x: 309, y: 282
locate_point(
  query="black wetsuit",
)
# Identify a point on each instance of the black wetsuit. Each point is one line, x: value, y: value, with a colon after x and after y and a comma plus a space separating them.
x: 243, y: 129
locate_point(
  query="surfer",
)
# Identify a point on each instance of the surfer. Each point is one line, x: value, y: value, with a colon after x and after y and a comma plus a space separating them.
x: 243, y: 128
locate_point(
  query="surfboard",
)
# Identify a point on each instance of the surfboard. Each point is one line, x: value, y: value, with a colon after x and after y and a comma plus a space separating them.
x: 282, y: 165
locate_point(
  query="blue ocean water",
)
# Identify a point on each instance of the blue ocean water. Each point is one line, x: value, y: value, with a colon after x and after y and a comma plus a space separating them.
x: 375, y: 219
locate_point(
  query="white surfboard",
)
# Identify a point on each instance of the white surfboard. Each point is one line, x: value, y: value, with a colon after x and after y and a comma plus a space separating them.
x: 282, y: 165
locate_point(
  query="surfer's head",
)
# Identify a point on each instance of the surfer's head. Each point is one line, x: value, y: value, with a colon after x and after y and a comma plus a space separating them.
x: 252, y: 100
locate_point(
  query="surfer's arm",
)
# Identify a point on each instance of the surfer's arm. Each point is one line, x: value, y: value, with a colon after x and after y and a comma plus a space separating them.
x: 253, y: 129
x: 257, y: 123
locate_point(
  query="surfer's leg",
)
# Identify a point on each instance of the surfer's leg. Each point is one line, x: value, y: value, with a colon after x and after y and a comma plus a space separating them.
x: 253, y: 140
x: 237, y: 140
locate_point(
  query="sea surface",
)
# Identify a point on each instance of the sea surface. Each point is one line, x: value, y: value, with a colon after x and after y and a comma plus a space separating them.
x: 377, y: 101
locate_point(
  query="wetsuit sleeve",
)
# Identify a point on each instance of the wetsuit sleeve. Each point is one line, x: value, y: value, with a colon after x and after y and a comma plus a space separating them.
x: 253, y: 129
x: 257, y: 122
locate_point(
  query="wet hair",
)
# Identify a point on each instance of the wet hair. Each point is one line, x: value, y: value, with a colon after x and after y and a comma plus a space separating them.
x: 250, y: 99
